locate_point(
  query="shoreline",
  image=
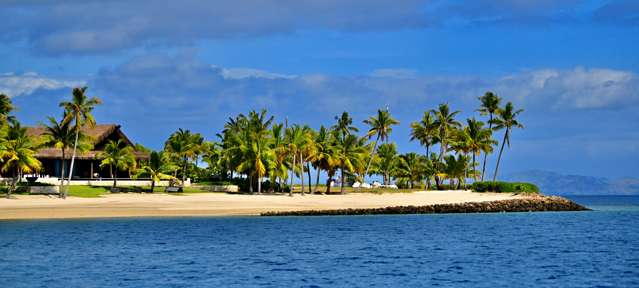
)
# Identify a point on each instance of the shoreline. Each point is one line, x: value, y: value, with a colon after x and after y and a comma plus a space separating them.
x: 221, y: 204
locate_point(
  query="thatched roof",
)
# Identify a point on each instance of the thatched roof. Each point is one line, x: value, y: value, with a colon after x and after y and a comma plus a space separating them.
x: 97, y: 135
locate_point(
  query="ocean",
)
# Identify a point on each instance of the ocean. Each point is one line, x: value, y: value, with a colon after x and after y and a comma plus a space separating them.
x: 598, y: 248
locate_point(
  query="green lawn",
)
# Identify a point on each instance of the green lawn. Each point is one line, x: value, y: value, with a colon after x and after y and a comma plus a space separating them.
x: 87, y: 191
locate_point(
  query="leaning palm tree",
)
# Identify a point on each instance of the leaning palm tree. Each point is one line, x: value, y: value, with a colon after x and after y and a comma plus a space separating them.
x: 61, y: 135
x: 445, y: 123
x: 79, y: 111
x: 489, y: 106
x: 118, y: 156
x: 17, y: 153
x: 381, y: 126
x: 506, y: 119
x: 424, y: 131
x: 153, y: 170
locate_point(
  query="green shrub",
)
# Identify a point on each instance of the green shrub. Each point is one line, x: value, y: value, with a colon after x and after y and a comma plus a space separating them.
x: 504, y: 187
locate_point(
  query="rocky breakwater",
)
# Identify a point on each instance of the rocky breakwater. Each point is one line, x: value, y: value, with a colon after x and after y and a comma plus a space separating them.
x: 528, y: 204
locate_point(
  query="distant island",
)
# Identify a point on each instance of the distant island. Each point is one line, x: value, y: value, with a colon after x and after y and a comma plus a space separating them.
x: 553, y: 183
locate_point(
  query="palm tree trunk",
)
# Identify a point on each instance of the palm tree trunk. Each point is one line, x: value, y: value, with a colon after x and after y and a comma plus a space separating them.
x: 329, y: 181
x: 371, y: 159
x: 341, y: 191
x: 317, y: 179
x: 75, y: 147
x: 250, y: 180
x: 185, y: 162
x: 115, y: 177
x: 259, y: 185
x: 62, y: 173
x: 152, y: 185
x: 501, y: 150
x: 474, y: 163
x: 290, y: 193
x: 490, y: 127
x: 308, y: 171
x: 302, y: 172
x: 14, y: 182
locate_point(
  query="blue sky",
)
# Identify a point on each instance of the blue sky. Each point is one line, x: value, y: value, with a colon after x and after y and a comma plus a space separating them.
x: 160, y: 65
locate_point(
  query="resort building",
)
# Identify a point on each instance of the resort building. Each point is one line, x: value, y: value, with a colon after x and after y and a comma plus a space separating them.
x: 87, y: 163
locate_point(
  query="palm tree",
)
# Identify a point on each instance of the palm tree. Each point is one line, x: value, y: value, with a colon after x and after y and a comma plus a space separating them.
x: 279, y: 171
x: 5, y: 108
x: 350, y: 150
x: 344, y: 124
x: 411, y: 167
x: 506, y: 119
x: 118, y: 156
x: 424, y: 131
x: 185, y: 145
x: 456, y: 168
x: 444, y: 123
x: 17, y: 153
x: 478, y: 139
x: 323, y: 157
x: 79, y: 111
x: 380, y: 126
x: 297, y: 138
x: 489, y: 106
x: 153, y: 170
x: 258, y: 158
x: 386, y: 159
x: 60, y: 135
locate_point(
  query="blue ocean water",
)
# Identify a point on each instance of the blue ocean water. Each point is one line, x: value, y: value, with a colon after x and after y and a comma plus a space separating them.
x: 568, y: 249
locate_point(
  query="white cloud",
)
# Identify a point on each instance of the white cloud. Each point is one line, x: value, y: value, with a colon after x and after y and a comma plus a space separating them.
x: 16, y: 85
x: 577, y: 88
x: 242, y: 73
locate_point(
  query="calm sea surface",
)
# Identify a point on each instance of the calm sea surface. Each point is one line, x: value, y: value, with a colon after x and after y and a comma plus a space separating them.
x: 581, y: 249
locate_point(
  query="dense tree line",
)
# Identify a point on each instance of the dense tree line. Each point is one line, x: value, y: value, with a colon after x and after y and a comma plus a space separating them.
x: 257, y: 148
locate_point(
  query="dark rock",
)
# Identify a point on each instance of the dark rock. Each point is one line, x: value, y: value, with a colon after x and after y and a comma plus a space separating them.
x: 530, y: 204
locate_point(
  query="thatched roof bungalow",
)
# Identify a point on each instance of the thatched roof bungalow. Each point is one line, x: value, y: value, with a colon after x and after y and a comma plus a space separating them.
x: 87, y: 164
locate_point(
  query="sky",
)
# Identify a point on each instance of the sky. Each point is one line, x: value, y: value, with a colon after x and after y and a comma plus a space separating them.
x: 161, y: 65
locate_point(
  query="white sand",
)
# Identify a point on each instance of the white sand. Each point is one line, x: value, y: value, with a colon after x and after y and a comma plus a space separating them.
x: 219, y: 204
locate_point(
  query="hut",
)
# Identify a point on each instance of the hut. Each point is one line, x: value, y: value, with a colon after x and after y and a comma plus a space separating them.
x: 87, y: 163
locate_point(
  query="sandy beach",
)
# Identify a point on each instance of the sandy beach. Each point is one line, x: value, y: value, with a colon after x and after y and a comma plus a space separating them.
x: 218, y: 204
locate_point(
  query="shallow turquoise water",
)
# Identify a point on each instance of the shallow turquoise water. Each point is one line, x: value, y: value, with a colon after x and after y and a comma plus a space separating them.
x: 571, y: 249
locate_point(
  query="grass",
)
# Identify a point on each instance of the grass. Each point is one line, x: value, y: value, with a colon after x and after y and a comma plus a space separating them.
x: 347, y: 189
x: 87, y: 191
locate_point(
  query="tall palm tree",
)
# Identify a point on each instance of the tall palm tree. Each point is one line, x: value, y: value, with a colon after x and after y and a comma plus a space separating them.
x: 60, y: 135
x: 424, y: 131
x: 489, y: 106
x: 506, y: 119
x: 445, y: 123
x: 17, y: 153
x: 78, y: 111
x: 350, y: 149
x: 119, y: 157
x: 381, y: 126
x: 297, y: 138
x: 153, y: 170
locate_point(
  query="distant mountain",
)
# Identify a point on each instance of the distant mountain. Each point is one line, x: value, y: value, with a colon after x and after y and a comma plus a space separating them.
x: 553, y: 183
